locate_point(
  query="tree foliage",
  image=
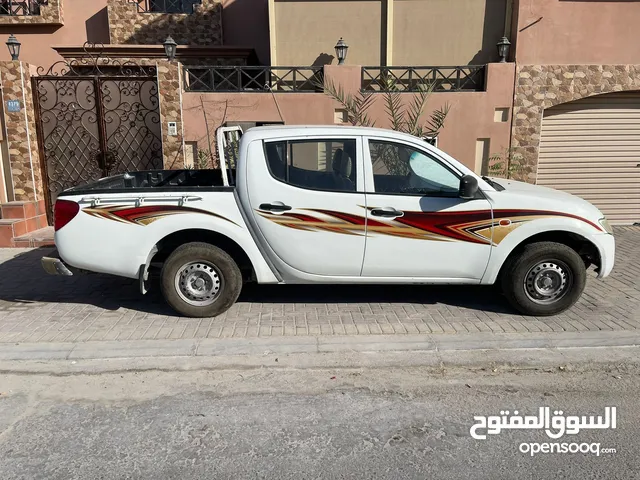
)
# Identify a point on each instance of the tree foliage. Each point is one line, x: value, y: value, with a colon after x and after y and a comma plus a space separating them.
x: 403, y: 117
x: 506, y: 164
x: 407, y: 118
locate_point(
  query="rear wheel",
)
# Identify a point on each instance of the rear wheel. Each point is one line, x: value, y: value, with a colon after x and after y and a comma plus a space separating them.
x: 200, y: 280
x: 545, y: 278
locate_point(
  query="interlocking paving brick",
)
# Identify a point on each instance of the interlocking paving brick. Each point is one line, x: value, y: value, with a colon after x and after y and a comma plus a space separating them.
x: 36, y: 307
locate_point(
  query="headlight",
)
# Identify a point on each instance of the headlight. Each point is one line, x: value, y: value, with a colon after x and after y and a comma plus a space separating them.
x: 605, y: 224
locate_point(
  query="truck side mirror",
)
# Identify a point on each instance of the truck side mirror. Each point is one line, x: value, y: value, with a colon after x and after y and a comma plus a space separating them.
x: 468, y: 187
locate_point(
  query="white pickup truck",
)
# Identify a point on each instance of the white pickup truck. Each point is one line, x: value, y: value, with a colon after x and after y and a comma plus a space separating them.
x: 330, y: 204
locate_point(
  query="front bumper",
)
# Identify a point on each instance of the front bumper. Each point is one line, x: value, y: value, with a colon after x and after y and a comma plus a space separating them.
x: 607, y: 248
x: 55, y: 266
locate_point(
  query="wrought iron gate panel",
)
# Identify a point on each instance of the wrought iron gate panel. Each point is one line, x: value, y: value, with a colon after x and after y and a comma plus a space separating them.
x: 132, y: 123
x: 69, y: 131
x: 96, y: 117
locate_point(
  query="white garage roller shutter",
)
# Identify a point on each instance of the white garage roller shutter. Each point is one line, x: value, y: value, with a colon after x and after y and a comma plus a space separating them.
x: 591, y: 148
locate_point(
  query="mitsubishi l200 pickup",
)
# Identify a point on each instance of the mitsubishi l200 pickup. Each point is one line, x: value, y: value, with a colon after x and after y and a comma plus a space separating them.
x: 331, y: 205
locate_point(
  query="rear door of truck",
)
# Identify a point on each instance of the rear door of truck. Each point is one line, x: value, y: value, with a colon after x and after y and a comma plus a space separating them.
x: 306, y: 199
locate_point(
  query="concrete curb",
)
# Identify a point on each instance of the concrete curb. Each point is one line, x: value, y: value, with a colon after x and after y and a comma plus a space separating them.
x: 323, y: 344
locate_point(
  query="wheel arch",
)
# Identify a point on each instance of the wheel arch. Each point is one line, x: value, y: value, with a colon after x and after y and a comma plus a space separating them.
x: 587, y: 250
x: 170, y: 242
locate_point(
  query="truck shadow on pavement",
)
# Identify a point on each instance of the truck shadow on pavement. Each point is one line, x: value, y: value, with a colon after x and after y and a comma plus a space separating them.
x: 23, y: 282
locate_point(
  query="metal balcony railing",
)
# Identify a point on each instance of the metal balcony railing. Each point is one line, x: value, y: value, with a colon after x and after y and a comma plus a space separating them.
x: 412, y: 79
x: 21, y: 8
x: 253, y: 79
x: 166, y: 6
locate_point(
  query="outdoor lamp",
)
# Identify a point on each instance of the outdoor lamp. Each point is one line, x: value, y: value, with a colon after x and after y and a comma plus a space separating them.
x: 170, y: 47
x: 503, y: 49
x: 14, y: 47
x: 341, y: 51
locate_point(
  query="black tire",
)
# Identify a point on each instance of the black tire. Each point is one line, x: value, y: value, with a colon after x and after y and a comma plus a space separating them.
x: 527, y: 268
x: 215, y: 267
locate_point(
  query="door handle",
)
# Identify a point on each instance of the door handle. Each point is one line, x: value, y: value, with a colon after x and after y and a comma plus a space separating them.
x: 275, y: 207
x: 387, y: 212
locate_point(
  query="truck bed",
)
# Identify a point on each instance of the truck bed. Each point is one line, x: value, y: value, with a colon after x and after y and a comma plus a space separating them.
x: 156, y: 180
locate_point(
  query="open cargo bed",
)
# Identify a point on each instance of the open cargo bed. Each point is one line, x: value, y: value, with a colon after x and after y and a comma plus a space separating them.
x: 187, y: 180
x: 158, y: 180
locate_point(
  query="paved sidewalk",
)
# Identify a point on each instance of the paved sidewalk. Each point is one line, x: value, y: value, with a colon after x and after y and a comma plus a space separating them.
x: 35, y: 307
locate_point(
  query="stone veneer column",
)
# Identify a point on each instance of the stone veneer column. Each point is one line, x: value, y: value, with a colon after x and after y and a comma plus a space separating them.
x: 170, y: 98
x: 22, y: 142
x: 543, y: 86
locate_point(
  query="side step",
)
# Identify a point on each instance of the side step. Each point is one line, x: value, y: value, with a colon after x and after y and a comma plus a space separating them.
x: 19, y: 220
x: 38, y: 238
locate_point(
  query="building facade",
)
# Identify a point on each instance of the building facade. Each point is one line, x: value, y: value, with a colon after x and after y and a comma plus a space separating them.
x: 561, y: 111
x: 576, y: 101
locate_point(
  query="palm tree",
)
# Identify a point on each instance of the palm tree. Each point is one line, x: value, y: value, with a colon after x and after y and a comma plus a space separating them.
x: 403, y: 118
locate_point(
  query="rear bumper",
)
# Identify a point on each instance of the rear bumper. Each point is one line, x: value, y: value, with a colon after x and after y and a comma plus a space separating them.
x: 55, y: 266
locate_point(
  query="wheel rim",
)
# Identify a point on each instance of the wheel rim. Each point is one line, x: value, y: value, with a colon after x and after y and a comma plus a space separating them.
x: 199, y: 283
x: 548, y: 281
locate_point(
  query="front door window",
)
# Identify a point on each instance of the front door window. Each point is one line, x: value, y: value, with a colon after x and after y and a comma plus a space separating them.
x: 400, y: 169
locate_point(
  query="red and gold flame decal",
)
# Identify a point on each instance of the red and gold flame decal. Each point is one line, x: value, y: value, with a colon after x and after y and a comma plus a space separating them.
x: 327, y: 221
x: 481, y: 226
x: 144, y: 215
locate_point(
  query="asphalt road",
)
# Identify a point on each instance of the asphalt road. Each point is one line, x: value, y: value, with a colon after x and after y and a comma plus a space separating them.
x: 280, y: 423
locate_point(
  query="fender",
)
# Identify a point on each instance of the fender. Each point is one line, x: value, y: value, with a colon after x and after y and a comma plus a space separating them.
x: 524, y: 231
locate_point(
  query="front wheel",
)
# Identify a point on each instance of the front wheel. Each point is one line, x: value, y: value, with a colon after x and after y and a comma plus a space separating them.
x: 200, y: 280
x: 545, y: 278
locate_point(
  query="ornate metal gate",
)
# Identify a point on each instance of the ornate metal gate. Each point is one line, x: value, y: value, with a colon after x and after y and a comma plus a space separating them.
x: 96, y: 120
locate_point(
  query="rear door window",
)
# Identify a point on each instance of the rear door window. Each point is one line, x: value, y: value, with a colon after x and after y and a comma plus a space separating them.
x: 327, y: 165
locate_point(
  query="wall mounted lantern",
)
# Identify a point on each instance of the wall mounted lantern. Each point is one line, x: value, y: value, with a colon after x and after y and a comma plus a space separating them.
x: 503, y: 49
x: 14, y: 47
x: 341, y: 51
x: 170, y: 47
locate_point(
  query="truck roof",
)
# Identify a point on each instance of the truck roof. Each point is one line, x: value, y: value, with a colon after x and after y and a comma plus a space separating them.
x: 269, y: 131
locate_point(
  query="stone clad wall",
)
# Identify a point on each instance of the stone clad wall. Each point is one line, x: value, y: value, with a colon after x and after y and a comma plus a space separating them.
x: 50, y: 14
x: 21, y: 132
x: 127, y: 25
x: 543, y: 86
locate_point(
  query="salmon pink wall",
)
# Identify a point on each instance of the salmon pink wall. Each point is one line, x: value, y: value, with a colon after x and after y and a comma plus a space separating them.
x: 83, y: 20
x: 471, y: 117
x: 577, y: 32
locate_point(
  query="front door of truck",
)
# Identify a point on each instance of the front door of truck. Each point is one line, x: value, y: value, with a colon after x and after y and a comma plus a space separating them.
x: 308, y: 205
x: 417, y: 226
